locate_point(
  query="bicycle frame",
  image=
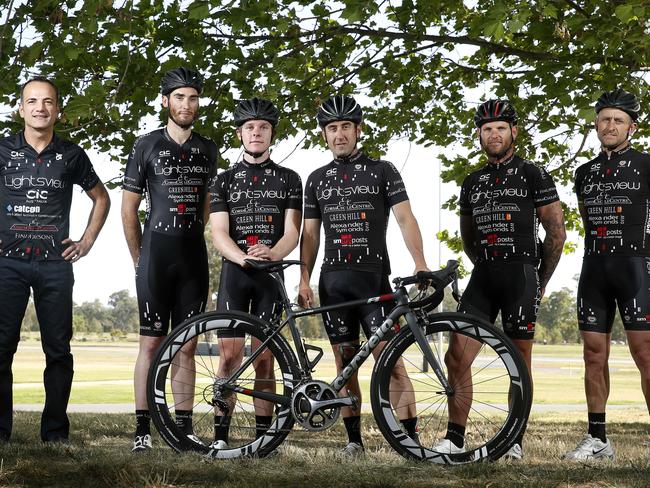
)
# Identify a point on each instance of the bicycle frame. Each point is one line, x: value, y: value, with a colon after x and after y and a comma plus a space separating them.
x: 402, y: 308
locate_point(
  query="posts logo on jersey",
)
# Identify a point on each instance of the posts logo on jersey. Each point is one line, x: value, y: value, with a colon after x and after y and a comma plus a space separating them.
x: 180, y: 208
x: 252, y: 240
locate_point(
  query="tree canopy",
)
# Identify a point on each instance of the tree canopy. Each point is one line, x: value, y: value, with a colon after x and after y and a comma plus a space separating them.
x: 421, y: 66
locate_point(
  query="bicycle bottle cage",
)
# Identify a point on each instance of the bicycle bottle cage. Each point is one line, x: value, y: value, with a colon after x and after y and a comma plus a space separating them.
x: 319, y: 354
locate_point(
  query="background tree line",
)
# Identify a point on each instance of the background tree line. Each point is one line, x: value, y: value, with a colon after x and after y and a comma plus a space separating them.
x: 556, y: 322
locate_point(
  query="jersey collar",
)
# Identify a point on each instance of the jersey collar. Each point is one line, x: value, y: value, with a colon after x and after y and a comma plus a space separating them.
x: 502, y: 164
x: 261, y: 165
x: 616, y: 153
x: 352, y: 159
x: 21, y: 143
x: 169, y: 138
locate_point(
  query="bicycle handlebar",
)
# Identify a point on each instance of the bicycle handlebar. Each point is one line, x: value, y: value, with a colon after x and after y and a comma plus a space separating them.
x: 439, y: 280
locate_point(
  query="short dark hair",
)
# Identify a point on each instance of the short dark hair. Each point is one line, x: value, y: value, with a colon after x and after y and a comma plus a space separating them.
x: 41, y: 79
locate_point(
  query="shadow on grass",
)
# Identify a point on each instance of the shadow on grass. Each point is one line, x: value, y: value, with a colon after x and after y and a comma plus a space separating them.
x: 99, y: 456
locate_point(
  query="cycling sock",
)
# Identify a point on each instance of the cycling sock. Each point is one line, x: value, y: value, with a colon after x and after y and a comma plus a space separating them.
x: 262, y: 424
x: 184, y: 421
x: 411, y: 427
x: 221, y: 428
x: 597, y: 425
x: 353, y: 428
x: 456, y: 434
x: 142, y: 421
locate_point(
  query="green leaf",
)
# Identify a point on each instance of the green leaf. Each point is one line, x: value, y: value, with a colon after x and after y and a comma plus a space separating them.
x: 550, y: 10
x: 624, y: 12
x: 72, y: 53
x: 199, y: 10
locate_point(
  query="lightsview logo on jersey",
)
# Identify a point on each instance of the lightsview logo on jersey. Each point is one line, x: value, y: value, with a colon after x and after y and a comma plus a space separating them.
x: 18, y: 182
x: 498, y: 193
x: 611, y: 186
x: 178, y: 169
x: 235, y: 196
x: 340, y: 192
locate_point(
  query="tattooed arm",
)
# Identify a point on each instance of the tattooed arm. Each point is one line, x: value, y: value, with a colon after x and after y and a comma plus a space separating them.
x: 552, y: 220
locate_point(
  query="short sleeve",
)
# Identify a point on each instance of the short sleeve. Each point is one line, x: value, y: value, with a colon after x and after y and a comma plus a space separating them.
x: 135, y: 172
x: 294, y: 191
x: 312, y: 208
x: 219, y: 193
x: 83, y: 173
x: 542, y: 186
x: 394, y: 187
x: 463, y: 201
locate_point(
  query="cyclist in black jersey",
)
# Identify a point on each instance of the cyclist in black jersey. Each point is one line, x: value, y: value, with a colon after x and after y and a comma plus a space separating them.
x: 501, y: 205
x: 37, y: 173
x: 614, y: 200
x: 352, y: 196
x: 256, y: 209
x: 173, y: 167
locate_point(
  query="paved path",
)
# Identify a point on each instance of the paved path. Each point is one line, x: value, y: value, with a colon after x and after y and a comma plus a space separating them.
x: 130, y: 408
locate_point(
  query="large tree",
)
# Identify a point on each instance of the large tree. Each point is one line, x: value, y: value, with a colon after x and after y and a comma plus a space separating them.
x: 423, y: 65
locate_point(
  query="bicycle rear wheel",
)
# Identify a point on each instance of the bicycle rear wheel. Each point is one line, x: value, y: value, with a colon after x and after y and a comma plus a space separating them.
x: 492, y: 390
x: 185, y: 375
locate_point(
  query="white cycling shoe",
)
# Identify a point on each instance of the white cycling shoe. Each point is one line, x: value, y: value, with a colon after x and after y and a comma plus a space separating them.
x: 591, y: 448
x: 446, y: 446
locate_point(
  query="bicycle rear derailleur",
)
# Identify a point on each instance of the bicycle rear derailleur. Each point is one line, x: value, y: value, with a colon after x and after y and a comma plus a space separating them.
x: 316, y: 405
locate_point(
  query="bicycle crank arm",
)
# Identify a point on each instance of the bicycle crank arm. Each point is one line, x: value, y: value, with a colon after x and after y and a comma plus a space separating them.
x: 334, y: 403
x: 262, y: 395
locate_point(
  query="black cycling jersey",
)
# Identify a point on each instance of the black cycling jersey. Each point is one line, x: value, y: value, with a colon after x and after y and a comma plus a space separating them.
x: 175, y: 177
x: 256, y: 197
x: 502, y: 200
x: 353, y: 199
x: 608, y: 281
x: 36, y: 194
x: 615, y: 194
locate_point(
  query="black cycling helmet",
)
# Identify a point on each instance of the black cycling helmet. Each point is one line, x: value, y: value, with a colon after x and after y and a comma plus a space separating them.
x: 180, y: 78
x: 621, y: 100
x: 256, y: 109
x: 339, y: 107
x: 495, y: 110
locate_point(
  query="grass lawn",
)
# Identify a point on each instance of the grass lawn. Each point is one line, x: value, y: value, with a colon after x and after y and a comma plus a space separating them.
x: 99, y: 457
x: 104, y: 372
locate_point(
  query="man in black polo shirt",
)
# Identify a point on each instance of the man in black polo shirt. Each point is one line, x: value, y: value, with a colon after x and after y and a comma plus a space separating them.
x: 501, y: 205
x: 38, y: 171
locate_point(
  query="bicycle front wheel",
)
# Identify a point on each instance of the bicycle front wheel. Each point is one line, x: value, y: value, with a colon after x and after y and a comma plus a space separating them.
x: 491, y: 394
x: 191, y: 371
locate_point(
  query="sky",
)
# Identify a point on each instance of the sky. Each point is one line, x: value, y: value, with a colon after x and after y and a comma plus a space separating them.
x: 108, y: 266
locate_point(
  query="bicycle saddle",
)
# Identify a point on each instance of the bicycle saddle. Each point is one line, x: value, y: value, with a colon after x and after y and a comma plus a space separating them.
x: 270, y: 266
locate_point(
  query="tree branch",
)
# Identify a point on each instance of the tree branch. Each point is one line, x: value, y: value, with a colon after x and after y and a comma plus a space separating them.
x: 6, y: 26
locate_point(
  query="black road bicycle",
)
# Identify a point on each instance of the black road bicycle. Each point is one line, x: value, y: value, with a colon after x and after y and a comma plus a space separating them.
x: 491, y: 391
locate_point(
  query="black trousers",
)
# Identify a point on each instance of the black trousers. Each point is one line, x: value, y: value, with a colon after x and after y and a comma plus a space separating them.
x: 52, y: 283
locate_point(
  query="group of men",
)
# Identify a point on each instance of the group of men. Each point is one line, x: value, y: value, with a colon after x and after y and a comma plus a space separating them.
x: 255, y: 209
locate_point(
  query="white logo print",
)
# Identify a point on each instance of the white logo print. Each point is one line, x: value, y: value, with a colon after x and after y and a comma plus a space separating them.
x: 59, y: 156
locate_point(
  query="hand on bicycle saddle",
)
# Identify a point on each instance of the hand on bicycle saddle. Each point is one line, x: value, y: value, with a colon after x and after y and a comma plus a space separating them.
x: 261, y: 251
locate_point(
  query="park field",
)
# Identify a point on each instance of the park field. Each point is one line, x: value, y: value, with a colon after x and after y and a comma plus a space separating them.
x: 104, y: 371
